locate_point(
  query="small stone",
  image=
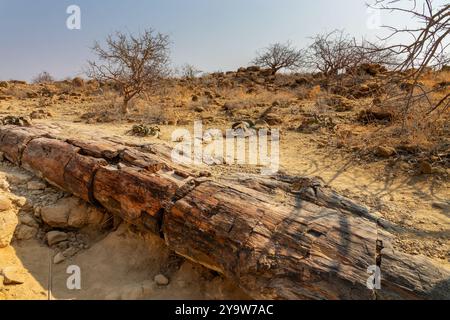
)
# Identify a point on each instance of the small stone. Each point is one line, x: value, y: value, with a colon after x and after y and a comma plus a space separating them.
x: 28, y: 220
x: 24, y: 232
x: 425, y: 167
x: 4, y: 185
x: 5, y: 203
x: 13, y: 275
x: 70, y: 252
x: 58, y: 258
x: 161, y: 280
x: 36, y: 185
x: 385, y: 152
x: 18, y: 178
x: 19, y: 201
x: 54, y: 237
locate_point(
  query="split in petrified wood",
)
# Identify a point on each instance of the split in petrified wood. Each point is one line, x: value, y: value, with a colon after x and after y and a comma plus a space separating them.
x: 277, y: 238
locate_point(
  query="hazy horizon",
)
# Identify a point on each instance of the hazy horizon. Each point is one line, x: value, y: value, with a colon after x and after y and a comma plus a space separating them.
x: 209, y: 34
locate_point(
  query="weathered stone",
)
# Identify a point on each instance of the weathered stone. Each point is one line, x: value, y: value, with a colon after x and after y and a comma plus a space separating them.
x: 55, y: 237
x: 70, y: 252
x: 425, y: 167
x: 5, y: 203
x: 59, y: 258
x: 8, y: 224
x: 57, y: 215
x: 28, y: 219
x: 384, y: 151
x: 36, y: 185
x: 161, y: 280
x: 24, y: 232
x: 13, y: 275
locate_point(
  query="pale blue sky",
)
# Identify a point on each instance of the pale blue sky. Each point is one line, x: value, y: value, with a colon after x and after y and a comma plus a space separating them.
x: 210, y: 34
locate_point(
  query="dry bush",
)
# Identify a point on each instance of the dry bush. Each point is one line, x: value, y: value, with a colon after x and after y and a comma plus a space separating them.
x: 43, y: 77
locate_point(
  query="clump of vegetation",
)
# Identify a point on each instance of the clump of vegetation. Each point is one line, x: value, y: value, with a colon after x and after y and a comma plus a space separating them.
x: 142, y: 130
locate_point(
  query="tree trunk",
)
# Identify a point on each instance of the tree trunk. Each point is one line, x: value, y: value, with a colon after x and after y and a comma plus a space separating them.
x: 126, y: 100
x: 277, y: 238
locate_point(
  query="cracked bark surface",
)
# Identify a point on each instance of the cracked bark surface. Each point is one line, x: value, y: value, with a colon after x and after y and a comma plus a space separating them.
x: 277, y: 238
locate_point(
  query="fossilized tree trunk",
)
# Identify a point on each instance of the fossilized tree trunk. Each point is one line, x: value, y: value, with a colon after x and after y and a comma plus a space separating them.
x: 277, y: 238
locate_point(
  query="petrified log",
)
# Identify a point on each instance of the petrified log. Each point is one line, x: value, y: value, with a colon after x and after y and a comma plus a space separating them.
x: 278, y: 238
x: 48, y: 158
x: 79, y: 176
x: 134, y: 195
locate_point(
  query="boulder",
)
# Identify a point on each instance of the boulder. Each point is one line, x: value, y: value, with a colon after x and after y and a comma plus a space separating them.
x: 57, y: 215
x: 71, y: 213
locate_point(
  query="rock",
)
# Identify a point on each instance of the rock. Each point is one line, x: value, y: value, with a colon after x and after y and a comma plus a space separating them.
x: 161, y: 280
x: 13, y: 275
x: 273, y: 119
x: 58, y: 258
x: 36, y: 185
x: 425, y: 167
x: 384, y: 151
x: 57, y: 215
x: 28, y: 220
x: 70, y: 252
x: 441, y: 205
x: 4, y: 185
x: 54, y: 237
x: 18, y: 178
x: 8, y: 224
x: 19, y: 201
x: 24, y: 232
x: 5, y: 203
x: 71, y: 212
x: 78, y: 217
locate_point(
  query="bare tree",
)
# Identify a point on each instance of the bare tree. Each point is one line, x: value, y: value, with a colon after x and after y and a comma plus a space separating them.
x: 428, y: 44
x: 43, y: 77
x: 279, y: 56
x: 332, y: 53
x: 133, y: 63
x: 428, y: 38
x: 189, y: 71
